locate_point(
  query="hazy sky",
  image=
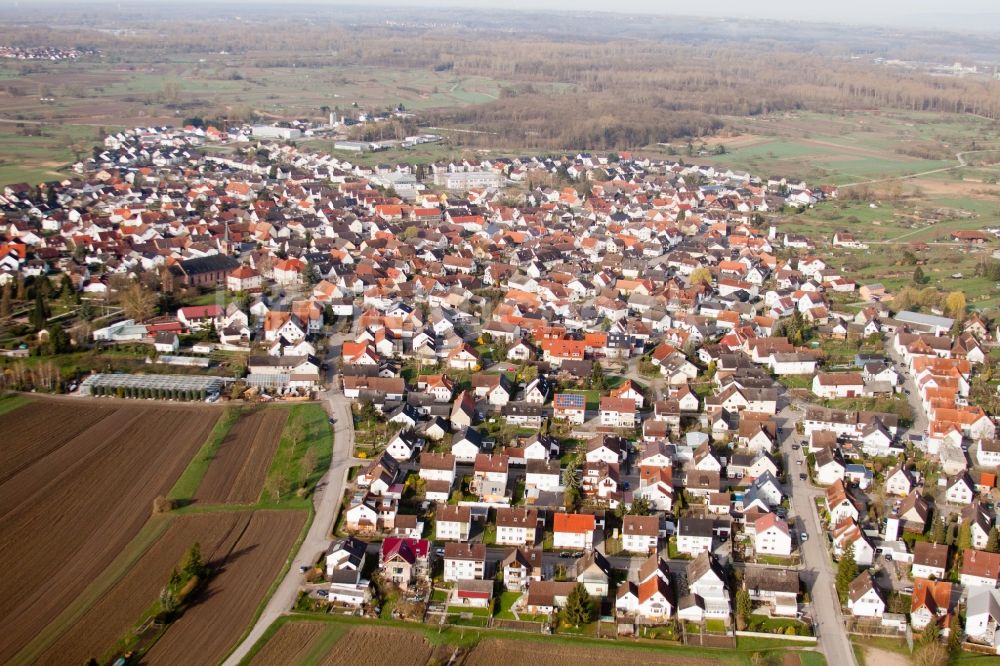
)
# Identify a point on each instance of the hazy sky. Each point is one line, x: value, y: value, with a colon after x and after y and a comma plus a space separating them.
x: 888, y: 12
x: 978, y: 15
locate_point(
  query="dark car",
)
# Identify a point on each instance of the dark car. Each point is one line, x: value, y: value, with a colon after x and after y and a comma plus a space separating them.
x: 802, y: 476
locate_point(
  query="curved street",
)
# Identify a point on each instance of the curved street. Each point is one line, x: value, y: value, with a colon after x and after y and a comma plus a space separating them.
x: 326, y: 501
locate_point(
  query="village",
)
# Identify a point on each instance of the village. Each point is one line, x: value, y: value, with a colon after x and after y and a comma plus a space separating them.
x: 597, y: 392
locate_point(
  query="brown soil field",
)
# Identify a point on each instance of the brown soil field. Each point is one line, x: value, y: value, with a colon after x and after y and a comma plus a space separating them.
x: 500, y: 652
x: 36, y: 436
x: 381, y: 646
x: 237, y: 473
x: 67, y: 515
x: 289, y: 645
x: 121, y: 606
x: 211, y: 627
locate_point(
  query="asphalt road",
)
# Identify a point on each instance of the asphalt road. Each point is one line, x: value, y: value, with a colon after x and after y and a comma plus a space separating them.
x: 326, y: 500
x: 817, y: 568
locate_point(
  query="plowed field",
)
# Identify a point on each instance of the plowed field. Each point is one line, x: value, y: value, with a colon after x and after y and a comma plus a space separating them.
x: 290, y: 644
x: 119, y: 609
x: 209, y: 629
x: 237, y: 473
x: 36, y: 436
x: 382, y: 646
x: 65, y: 515
x: 500, y: 652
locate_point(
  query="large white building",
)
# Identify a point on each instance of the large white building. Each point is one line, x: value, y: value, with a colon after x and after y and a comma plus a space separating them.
x: 465, y: 180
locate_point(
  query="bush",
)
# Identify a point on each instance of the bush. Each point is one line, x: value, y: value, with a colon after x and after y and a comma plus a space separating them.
x: 162, y: 505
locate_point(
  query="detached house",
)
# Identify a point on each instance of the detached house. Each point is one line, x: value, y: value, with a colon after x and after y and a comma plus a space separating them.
x: 466, y: 445
x: 982, y: 617
x: 840, y: 505
x: 838, y: 385
x: 516, y: 526
x: 618, y: 413
x: 648, y: 600
x: 864, y: 598
x: 930, y: 560
x: 960, y: 489
x: 403, y: 560
x: 640, y: 534
x: 980, y: 568
x: 899, y: 481
x: 772, y: 536
x: 464, y: 561
x: 452, y: 522
x: 829, y: 467
x: 573, y: 530
x: 708, y: 596
x: 520, y: 567
x: 569, y: 407
x: 694, y: 535
x: 931, y: 601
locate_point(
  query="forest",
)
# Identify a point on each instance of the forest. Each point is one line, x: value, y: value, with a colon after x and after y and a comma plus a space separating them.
x: 559, y: 90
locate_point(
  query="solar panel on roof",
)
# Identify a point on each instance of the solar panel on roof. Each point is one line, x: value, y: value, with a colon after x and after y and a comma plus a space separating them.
x: 571, y: 400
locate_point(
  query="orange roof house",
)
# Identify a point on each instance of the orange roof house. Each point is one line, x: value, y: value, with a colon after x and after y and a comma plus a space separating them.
x: 573, y: 523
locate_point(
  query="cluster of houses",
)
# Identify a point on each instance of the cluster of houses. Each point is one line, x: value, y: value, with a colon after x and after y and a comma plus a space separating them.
x: 470, y: 311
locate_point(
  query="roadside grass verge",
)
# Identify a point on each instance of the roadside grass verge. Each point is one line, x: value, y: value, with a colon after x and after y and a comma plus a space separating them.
x: 306, y: 432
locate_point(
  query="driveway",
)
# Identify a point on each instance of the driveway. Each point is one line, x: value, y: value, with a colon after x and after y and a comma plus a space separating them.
x: 817, y: 568
x: 326, y: 501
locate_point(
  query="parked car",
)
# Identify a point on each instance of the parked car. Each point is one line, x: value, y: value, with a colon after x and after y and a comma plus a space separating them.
x: 908, y: 589
x: 795, y: 447
x: 803, y: 476
x: 304, y: 568
x: 804, y: 537
x: 565, y: 554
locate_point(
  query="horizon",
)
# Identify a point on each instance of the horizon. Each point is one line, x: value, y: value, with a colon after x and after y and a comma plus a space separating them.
x: 972, y: 15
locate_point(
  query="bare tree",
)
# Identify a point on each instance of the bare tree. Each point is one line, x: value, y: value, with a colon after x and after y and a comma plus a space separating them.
x: 138, y: 303
x: 308, y: 464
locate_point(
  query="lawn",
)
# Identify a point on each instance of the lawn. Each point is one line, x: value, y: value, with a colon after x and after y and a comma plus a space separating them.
x: 307, y: 429
x: 507, y: 601
x: 467, y: 610
x: 715, y: 626
x: 796, y: 381
x: 767, y: 624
